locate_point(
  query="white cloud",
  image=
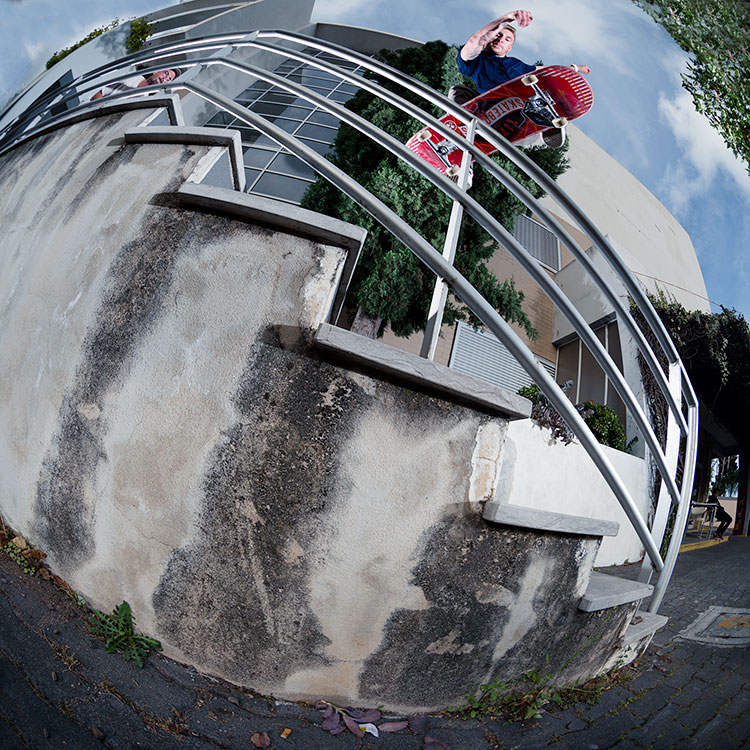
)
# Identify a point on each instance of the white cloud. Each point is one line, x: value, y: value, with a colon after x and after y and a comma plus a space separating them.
x: 674, y: 60
x: 705, y: 155
x: 574, y: 31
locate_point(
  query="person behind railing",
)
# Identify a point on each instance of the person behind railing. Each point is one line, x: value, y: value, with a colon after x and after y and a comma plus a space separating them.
x: 130, y: 84
x: 484, y: 58
x: 721, y: 515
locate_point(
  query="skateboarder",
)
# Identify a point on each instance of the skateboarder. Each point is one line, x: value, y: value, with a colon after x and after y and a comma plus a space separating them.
x: 484, y: 58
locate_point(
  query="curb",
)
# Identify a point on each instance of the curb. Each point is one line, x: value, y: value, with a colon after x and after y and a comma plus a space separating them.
x: 700, y: 545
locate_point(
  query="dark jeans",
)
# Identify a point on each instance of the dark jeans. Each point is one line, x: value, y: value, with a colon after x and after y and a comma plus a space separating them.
x: 462, y: 94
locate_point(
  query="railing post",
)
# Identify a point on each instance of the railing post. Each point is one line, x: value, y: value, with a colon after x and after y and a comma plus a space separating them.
x: 672, y: 451
x: 691, y: 449
x: 440, y: 293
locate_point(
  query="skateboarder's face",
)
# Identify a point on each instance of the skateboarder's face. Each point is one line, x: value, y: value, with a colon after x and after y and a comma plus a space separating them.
x: 161, y: 76
x: 502, y: 43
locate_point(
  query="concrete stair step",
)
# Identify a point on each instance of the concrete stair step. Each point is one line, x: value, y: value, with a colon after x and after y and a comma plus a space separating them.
x: 544, y: 520
x: 643, y: 624
x: 605, y: 591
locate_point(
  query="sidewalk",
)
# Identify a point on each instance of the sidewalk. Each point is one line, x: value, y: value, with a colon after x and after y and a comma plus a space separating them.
x: 58, y: 688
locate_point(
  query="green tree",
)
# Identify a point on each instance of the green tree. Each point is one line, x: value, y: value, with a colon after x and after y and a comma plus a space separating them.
x: 390, y: 285
x: 716, y: 33
x: 140, y: 30
x: 727, y: 475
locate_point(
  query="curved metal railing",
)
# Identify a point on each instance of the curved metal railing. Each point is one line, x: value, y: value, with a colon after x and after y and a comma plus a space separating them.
x: 675, y: 386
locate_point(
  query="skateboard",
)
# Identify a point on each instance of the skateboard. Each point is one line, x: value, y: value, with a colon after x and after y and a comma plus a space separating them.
x: 519, y: 110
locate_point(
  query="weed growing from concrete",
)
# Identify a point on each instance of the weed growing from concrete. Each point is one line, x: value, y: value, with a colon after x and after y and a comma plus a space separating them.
x: 66, y: 657
x: 31, y: 560
x: 24, y: 562
x: 526, y: 697
x: 118, y: 631
x: 518, y: 701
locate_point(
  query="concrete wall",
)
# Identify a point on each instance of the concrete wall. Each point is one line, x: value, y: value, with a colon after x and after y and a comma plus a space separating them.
x: 367, y: 41
x: 540, y: 474
x: 170, y: 436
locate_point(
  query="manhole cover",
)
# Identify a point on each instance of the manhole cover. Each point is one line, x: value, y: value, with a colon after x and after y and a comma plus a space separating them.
x: 720, y: 626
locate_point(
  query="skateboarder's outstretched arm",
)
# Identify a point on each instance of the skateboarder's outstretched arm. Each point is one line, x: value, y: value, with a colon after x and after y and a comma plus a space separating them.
x: 479, y: 39
x: 501, y: 42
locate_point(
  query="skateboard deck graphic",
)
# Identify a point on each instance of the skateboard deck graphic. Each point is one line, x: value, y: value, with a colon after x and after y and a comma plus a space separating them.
x: 518, y: 110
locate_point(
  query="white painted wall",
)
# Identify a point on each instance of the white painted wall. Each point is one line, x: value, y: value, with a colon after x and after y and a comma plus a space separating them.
x: 537, y: 473
x: 649, y: 239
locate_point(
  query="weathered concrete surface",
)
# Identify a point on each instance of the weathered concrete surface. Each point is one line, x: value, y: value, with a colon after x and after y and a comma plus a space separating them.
x: 423, y: 373
x: 170, y: 436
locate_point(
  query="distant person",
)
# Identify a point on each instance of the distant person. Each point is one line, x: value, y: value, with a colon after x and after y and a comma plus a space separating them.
x: 129, y: 84
x: 721, y: 515
x: 484, y: 58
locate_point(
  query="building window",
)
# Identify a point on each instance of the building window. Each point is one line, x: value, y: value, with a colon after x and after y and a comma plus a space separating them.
x: 271, y: 170
x: 478, y: 353
x: 575, y: 362
x: 539, y: 241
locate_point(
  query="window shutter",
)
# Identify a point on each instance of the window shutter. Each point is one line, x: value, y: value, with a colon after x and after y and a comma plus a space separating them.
x: 539, y: 241
x: 480, y: 354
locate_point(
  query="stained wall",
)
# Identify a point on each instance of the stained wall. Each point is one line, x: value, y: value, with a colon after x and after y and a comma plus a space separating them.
x: 171, y: 436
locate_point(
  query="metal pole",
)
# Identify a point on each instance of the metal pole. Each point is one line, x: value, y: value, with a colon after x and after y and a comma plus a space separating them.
x: 664, y: 504
x: 440, y: 293
x: 691, y: 448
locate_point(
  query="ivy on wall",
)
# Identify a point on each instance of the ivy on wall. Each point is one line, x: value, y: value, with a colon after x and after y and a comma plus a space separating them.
x: 73, y: 47
x: 715, y: 348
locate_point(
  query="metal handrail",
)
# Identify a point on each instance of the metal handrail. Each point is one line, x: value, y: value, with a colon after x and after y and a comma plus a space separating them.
x: 425, y: 251
x: 515, y: 155
x: 460, y: 286
x: 535, y: 172
x: 530, y: 264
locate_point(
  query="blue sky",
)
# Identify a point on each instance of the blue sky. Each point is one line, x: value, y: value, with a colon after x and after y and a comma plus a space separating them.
x: 642, y: 116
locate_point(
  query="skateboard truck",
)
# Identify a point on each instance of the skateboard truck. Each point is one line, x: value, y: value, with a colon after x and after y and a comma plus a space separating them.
x: 443, y: 149
x: 540, y: 109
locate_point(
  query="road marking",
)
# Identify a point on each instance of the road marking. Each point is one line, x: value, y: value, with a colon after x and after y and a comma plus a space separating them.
x: 735, y: 622
x: 720, y: 626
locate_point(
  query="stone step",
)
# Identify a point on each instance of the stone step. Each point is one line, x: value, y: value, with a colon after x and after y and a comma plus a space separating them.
x: 430, y: 377
x: 644, y: 624
x: 544, y: 520
x: 605, y: 591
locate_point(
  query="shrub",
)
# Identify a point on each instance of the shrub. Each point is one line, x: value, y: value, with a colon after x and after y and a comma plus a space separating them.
x: 390, y: 285
x: 118, y: 630
x: 140, y: 30
x: 605, y: 425
x: 600, y: 418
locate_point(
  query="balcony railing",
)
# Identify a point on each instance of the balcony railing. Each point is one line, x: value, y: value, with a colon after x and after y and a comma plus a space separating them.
x: 227, y: 51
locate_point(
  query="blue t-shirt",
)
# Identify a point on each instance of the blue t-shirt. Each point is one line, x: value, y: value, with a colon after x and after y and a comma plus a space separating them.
x: 488, y: 71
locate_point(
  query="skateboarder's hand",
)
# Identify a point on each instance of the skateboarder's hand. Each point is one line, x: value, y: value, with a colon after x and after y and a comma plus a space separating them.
x: 523, y: 17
